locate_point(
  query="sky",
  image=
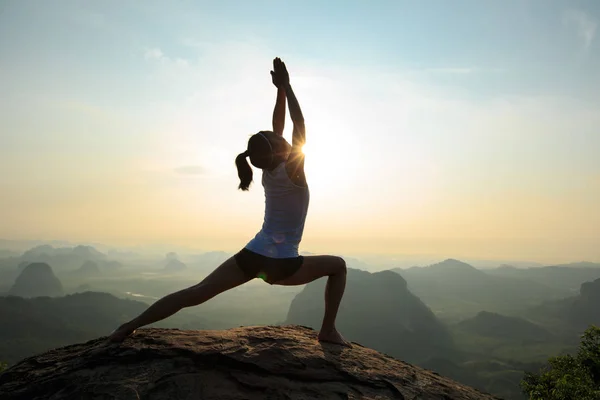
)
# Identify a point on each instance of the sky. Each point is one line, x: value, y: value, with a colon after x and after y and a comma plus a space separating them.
x: 453, y: 129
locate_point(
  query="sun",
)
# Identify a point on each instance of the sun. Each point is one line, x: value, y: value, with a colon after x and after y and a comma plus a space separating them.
x: 306, y: 149
x: 327, y: 160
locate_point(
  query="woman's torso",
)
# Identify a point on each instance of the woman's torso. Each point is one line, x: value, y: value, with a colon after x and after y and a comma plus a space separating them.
x: 286, y: 206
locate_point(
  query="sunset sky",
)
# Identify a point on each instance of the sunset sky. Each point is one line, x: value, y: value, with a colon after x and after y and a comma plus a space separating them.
x: 450, y: 128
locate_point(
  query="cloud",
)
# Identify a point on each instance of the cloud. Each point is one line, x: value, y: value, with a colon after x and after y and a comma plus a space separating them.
x: 584, y: 24
x: 154, y: 54
x: 190, y: 170
x: 461, y: 70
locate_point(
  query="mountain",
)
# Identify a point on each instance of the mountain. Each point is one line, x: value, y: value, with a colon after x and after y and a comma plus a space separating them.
x: 8, y: 273
x: 111, y: 265
x: 249, y: 363
x: 565, y: 278
x: 88, y: 269
x: 497, y: 350
x: 33, y: 325
x: 455, y: 290
x: 580, y: 264
x: 576, y: 313
x: 500, y: 378
x: 585, y: 310
x: 379, y: 311
x: 36, y: 279
x: 573, y: 314
x: 63, y: 258
x: 509, y: 328
x: 39, y: 324
x: 39, y: 251
x: 205, y: 263
x: 172, y: 263
x: 8, y: 253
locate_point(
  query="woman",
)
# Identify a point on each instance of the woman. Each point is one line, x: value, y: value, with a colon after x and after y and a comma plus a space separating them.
x: 272, y: 254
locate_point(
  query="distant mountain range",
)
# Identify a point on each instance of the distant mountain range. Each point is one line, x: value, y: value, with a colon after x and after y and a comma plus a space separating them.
x: 565, y: 278
x: 482, y: 327
x: 455, y: 290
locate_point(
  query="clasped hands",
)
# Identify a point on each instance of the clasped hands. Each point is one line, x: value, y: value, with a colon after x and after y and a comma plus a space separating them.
x: 279, y: 75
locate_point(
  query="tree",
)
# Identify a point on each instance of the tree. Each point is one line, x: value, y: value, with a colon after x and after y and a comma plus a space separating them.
x: 569, y: 377
x: 3, y: 366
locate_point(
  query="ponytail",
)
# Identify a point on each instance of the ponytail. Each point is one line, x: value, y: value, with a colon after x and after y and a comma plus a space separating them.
x: 244, y: 170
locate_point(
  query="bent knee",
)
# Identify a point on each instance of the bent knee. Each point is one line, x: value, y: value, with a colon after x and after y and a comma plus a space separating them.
x: 340, y: 265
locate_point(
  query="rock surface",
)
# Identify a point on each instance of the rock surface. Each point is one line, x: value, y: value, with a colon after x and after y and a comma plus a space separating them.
x: 272, y: 362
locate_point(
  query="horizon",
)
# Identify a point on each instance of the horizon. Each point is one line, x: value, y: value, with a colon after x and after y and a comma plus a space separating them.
x: 373, y: 262
x: 465, y: 130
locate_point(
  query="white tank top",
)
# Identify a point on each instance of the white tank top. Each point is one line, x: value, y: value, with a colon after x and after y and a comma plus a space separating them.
x: 286, y: 205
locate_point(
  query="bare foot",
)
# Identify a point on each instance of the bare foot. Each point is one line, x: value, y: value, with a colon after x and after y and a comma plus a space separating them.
x: 120, y: 333
x: 333, y: 337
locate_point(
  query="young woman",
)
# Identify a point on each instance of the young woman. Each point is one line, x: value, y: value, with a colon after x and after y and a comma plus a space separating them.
x: 272, y: 254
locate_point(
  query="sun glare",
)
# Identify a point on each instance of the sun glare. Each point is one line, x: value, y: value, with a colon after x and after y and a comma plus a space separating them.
x: 324, y: 152
x: 306, y: 149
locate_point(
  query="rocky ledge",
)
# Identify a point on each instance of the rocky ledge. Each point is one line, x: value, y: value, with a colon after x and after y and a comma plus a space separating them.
x: 272, y: 362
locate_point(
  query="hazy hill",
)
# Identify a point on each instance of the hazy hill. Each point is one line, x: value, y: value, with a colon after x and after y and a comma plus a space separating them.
x: 378, y: 311
x: 508, y: 328
x: 33, y: 325
x: 81, y: 251
x: 63, y: 258
x: 565, y: 278
x: 573, y: 314
x: 8, y: 274
x: 172, y: 263
x: 580, y: 264
x: 88, y: 269
x: 36, y: 279
x: 496, y: 350
x: 498, y: 377
x: 455, y: 290
x: 8, y: 253
x: 205, y: 263
x: 175, y: 266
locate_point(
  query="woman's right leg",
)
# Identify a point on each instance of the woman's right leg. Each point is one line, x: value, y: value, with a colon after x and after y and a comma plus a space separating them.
x: 315, y: 267
x: 227, y: 276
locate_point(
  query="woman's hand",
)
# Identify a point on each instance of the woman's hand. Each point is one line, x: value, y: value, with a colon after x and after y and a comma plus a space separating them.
x: 279, y: 75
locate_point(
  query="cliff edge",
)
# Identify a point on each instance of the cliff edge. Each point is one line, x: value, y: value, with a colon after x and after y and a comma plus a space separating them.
x: 267, y: 362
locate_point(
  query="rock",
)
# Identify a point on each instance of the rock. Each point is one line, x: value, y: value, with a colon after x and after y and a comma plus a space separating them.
x: 272, y: 362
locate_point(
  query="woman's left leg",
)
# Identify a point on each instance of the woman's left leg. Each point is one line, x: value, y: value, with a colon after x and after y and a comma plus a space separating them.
x: 227, y: 276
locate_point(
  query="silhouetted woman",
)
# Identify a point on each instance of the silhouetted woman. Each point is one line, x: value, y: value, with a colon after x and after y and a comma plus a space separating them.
x: 272, y: 254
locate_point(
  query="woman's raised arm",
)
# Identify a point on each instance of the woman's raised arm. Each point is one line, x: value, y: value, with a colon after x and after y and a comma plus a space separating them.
x: 279, y: 111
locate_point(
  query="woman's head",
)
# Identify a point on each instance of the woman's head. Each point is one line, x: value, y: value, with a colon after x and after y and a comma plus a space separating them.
x: 266, y: 150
